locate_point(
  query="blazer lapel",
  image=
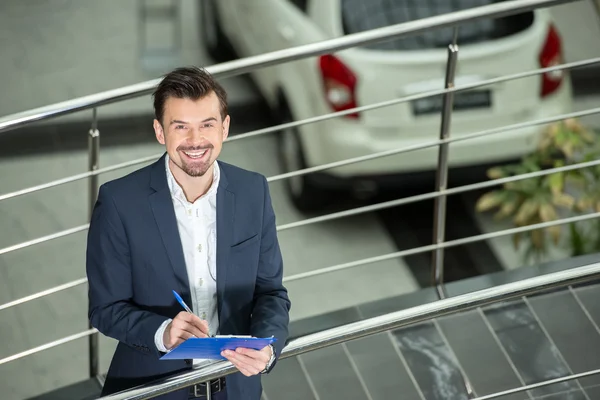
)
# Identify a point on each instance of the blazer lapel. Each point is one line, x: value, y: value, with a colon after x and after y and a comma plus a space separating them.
x: 225, y: 214
x: 164, y: 214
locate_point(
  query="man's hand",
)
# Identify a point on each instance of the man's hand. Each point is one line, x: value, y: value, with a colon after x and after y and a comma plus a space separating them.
x: 248, y: 361
x: 183, y: 327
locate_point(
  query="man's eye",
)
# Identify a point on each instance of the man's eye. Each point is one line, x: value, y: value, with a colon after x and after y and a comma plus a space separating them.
x: 208, y: 125
x: 180, y: 127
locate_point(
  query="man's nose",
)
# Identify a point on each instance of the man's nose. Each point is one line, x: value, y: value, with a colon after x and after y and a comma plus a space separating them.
x: 196, y: 137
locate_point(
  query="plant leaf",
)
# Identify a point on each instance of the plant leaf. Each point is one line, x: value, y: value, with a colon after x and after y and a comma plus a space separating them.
x: 556, y: 182
x: 584, y: 203
x: 554, y: 232
x: 537, y: 238
x: 507, y: 209
x: 547, y: 212
x: 496, y: 173
x: 528, y: 209
x: 490, y: 200
x: 577, y: 242
x: 563, y: 200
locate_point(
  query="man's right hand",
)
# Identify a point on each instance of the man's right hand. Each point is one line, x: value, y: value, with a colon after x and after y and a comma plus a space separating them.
x: 183, y: 327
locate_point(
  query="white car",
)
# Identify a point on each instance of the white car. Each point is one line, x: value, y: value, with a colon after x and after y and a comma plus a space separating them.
x: 389, y: 70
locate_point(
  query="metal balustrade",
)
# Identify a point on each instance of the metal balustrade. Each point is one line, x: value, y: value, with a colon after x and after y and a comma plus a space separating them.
x: 367, y: 327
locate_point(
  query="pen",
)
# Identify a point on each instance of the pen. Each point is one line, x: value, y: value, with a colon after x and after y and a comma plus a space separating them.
x: 185, y: 306
x: 180, y: 300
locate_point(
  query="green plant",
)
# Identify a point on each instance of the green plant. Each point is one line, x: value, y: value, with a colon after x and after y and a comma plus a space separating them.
x: 550, y: 197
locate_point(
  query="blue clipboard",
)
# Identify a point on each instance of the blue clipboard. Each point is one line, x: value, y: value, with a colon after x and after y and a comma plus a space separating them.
x: 211, y: 348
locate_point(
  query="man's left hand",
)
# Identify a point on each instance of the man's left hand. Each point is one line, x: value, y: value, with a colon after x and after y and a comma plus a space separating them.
x: 248, y: 361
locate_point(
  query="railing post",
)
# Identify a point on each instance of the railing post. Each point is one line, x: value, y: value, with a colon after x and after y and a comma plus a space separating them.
x: 93, y: 165
x: 439, y: 216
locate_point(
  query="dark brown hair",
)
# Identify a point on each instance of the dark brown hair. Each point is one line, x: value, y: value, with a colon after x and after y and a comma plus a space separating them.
x: 187, y: 82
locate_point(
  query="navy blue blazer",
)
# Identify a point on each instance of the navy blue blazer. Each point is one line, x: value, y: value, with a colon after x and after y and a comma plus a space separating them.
x: 135, y: 259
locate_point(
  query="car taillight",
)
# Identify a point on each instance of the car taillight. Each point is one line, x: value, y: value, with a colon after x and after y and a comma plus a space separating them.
x: 339, y: 84
x: 551, y: 55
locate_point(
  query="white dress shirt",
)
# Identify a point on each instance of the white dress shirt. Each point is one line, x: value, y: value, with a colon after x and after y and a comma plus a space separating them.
x: 197, y: 225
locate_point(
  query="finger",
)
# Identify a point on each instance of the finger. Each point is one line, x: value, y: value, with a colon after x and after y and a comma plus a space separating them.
x: 177, y: 337
x: 189, y: 327
x: 259, y: 355
x: 186, y: 317
x: 200, y: 324
x: 247, y: 362
x: 245, y: 369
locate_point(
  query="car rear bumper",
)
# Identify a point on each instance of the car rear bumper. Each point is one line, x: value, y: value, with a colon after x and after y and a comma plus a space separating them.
x: 337, y: 139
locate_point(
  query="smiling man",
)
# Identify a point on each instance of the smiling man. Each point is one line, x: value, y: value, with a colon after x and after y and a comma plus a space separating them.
x: 192, y: 224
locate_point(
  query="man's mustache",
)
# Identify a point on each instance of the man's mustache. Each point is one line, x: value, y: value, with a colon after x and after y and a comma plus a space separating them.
x: 195, y: 148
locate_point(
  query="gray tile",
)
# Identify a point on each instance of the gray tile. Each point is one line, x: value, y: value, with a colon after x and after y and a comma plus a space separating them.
x: 589, y: 298
x: 382, y: 369
x: 332, y: 375
x: 287, y: 381
x: 593, y: 392
x: 482, y: 359
x: 431, y: 362
x: 534, y: 356
x: 572, y: 332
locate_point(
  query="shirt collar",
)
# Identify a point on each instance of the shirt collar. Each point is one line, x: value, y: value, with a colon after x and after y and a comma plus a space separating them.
x: 177, y: 191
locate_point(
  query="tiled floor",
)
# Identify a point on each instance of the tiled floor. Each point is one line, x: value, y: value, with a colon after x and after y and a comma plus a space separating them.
x: 493, y: 349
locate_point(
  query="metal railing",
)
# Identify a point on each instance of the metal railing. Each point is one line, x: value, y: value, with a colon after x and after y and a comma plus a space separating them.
x: 245, y: 65
x: 384, y: 323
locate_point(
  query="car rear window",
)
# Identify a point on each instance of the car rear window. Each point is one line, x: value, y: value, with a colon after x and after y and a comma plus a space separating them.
x: 361, y: 15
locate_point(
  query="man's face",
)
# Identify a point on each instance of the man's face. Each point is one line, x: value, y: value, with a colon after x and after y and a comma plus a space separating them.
x: 192, y: 132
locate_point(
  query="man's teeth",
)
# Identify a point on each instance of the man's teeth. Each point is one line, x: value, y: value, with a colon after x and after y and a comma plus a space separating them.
x: 195, y: 154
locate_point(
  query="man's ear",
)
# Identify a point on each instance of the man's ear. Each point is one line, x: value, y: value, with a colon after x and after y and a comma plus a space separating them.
x: 226, y: 122
x: 159, y: 132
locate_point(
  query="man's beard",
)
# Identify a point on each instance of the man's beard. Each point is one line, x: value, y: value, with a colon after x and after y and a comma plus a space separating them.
x: 196, y: 169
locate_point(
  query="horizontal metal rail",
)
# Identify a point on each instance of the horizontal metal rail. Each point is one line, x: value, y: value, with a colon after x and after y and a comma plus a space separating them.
x: 444, y: 245
x: 248, y: 64
x: 323, y: 167
x: 375, y: 325
x: 433, y: 195
x: 358, y: 210
x: 433, y: 143
x: 348, y: 213
x: 418, y: 96
x: 352, y: 212
x: 43, y: 293
x: 44, y: 239
x: 47, y: 346
x: 74, y: 178
x: 539, y: 385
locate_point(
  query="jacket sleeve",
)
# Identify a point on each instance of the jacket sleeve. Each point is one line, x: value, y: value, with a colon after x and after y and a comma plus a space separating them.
x: 108, y: 265
x: 270, y: 314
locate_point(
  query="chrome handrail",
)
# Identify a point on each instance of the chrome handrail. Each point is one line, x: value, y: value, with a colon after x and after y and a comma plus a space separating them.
x: 375, y: 325
x: 241, y: 66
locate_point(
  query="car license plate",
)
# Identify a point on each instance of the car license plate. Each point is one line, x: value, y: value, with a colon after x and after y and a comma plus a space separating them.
x: 467, y: 100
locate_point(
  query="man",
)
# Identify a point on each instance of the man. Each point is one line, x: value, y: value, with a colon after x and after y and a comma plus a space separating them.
x: 188, y: 223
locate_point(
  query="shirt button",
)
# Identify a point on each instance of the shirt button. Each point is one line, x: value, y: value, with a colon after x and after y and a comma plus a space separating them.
x: 200, y: 282
x: 203, y: 315
x: 189, y: 212
x: 199, y: 247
